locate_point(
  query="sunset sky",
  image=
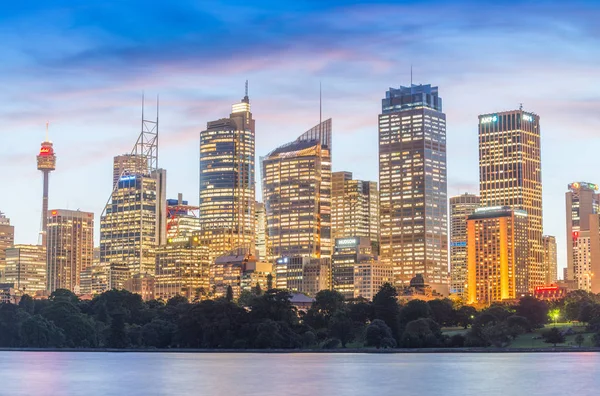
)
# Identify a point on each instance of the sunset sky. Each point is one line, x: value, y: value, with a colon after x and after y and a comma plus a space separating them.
x: 83, y: 66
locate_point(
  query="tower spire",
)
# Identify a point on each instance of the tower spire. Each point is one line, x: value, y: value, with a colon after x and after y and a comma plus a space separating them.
x: 246, y: 98
x: 47, y: 134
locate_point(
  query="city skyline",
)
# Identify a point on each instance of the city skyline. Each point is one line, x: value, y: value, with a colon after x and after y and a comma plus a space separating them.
x: 106, y: 107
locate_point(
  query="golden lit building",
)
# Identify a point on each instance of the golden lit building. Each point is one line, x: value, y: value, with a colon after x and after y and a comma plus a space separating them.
x: 128, y: 164
x: 354, y: 208
x: 550, y: 259
x: 241, y: 273
x: 227, y: 181
x: 261, y: 231
x: 461, y: 207
x: 7, y: 240
x: 296, y: 181
x: 142, y: 284
x: 413, y: 185
x: 26, y: 268
x: 497, y: 255
x: 70, y: 248
x: 510, y: 175
x: 303, y: 274
x: 182, y: 269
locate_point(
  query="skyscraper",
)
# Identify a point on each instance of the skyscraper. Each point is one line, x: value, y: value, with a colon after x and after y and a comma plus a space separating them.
x: 497, y: 254
x: 582, y: 201
x: 412, y: 185
x: 510, y: 175
x: 227, y: 181
x: 128, y: 164
x: 550, y: 259
x: 26, y: 268
x: 70, y: 248
x: 260, y: 233
x: 296, y: 181
x: 7, y: 240
x: 461, y: 207
x: 46, y: 162
x: 182, y: 218
x: 354, y: 208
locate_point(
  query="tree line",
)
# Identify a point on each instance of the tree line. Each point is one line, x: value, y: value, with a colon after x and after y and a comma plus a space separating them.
x: 264, y: 320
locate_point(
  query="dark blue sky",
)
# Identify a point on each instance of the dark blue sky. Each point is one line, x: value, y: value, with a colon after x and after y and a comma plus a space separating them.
x: 84, y: 65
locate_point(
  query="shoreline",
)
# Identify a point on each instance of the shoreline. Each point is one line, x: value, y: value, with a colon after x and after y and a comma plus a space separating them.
x: 294, y: 351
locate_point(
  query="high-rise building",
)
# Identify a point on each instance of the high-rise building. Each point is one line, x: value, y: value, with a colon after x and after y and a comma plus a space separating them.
x: 182, y: 218
x: 303, y: 274
x: 461, y: 207
x: 129, y: 164
x: 261, y: 231
x: 241, y: 273
x: 46, y: 162
x: 497, y: 254
x: 582, y: 201
x: 296, y: 181
x: 550, y: 259
x: 354, y: 208
x: 510, y: 174
x: 182, y: 268
x: 7, y: 240
x: 227, y: 181
x: 412, y: 185
x: 70, y: 248
x: 26, y: 268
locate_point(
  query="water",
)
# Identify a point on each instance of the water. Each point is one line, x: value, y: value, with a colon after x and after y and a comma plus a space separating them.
x: 129, y: 374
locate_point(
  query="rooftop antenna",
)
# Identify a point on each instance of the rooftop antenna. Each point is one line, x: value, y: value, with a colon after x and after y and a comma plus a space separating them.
x: 520, y: 106
x: 246, y: 88
x: 47, y: 135
x: 320, y: 104
x: 411, y: 75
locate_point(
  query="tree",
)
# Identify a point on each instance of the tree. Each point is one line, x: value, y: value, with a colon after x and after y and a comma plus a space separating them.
x: 257, y: 289
x: 520, y: 322
x: 340, y: 327
x: 326, y: 304
x: 269, y: 282
x: 465, y: 315
x: 579, y: 339
x: 442, y: 311
x: 229, y: 295
x: 38, y: 332
x: 27, y: 304
x: 158, y: 333
x: 379, y: 335
x: 118, y: 337
x: 421, y: 333
x: 386, y: 308
x: 553, y: 336
x: 414, y: 310
x: 499, y: 335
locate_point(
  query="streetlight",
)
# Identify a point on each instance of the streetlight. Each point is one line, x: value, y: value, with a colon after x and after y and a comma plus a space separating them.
x: 554, y: 315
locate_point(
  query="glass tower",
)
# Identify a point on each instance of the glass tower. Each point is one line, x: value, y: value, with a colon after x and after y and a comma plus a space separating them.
x: 461, y: 207
x: 412, y: 185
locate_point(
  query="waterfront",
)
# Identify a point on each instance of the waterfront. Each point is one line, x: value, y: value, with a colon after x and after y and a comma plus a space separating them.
x: 96, y: 373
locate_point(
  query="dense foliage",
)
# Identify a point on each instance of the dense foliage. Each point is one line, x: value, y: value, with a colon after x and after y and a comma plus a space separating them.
x: 119, y: 319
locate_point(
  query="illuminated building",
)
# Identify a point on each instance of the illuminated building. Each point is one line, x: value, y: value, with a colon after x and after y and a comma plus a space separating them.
x: 70, y: 248
x: 497, y: 254
x: 142, y: 284
x: 296, y: 180
x: 182, y: 218
x: 7, y: 240
x: 412, y: 185
x: 355, y: 270
x: 46, y: 162
x: 550, y: 293
x: 182, y: 269
x: 550, y: 259
x: 241, y: 273
x: 461, y: 207
x: 117, y: 276
x: 261, y: 228
x: 354, y: 208
x: 582, y: 202
x: 26, y: 268
x: 303, y: 274
x: 586, y: 256
x: 227, y: 181
x: 510, y: 175
x: 128, y: 164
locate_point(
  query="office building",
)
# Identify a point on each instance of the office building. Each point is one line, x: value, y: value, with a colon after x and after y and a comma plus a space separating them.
x: 182, y: 218
x: 227, y: 181
x: 582, y: 202
x: 303, y: 274
x: 413, y: 184
x: 142, y: 284
x: 7, y: 240
x: 510, y: 175
x: 70, y: 248
x: 354, y: 208
x: 261, y: 230
x: 497, y: 255
x: 182, y: 269
x: 241, y: 273
x: 26, y: 268
x: 550, y: 259
x: 461, y: 207
x: 129, y: 164
x: 296, y: 181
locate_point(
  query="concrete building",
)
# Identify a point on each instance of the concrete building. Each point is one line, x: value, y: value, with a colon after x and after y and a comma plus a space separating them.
x: 227, y: 181
x: 241, y: 273
x: 550, y: 259
x: 26, y: 268
x: 303, y: 274
x: 412, y: 185
x: 142, y: 284
x: 461, y: 207
x: 370, y: 276
x: 354, y: 208
x: 7, y: 240
x: 296, y: 182
x: 70, y: 248
x: 510, y: 175
x: 497, y: 255
x: 128, y: 164
x: 182, y: 269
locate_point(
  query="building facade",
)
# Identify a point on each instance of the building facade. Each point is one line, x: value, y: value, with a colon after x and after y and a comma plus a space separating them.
x: 303, y: 274
x: 261, y: 231
x: 461, y: 207
x: 510, y: 174
x: 227, y: 181
x: 128, y: 164
x: 412, y: 185
x: 26, y: 268
x: 497, y: 255
x: 70, y: 248
x: 550, y: 259
x: 354, y: 208
x: 296, y: 182
x: 7, y: 240
x: 182, y: 221
x: 241, y: 273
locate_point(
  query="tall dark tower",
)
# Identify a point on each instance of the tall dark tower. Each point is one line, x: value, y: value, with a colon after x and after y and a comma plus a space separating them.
x: 46, y: 162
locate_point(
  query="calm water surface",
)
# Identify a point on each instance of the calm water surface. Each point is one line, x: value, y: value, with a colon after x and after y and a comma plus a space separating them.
x: 90, y: 374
